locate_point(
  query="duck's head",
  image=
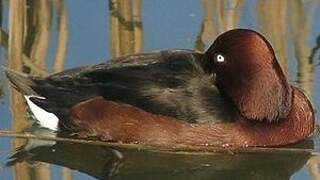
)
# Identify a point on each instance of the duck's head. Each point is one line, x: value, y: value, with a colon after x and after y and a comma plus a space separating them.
x: 248, y: 73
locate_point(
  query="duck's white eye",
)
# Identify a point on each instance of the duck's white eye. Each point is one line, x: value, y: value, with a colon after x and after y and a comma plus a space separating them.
x: 220, y: 58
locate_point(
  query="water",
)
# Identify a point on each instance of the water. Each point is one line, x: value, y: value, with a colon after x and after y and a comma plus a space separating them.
x: 65, y: 34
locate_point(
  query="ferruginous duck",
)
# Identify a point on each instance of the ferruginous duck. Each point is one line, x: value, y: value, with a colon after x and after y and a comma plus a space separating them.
x: 233, y: 95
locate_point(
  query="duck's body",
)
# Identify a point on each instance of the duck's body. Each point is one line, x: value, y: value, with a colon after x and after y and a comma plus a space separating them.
x: 173, y: 98
x: 121, y: 122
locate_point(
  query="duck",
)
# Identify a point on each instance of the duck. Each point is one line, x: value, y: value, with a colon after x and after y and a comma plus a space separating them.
x: 234, y: 94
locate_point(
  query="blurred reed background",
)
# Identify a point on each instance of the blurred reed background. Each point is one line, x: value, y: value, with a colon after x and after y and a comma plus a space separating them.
x: 285, y: 23
x: 27, y: 43
x: 125, y: 27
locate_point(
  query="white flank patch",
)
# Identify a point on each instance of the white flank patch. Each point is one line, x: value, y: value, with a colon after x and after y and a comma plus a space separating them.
x: 45, y: 119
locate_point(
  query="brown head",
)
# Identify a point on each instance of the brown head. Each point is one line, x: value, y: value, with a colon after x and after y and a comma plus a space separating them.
x: 247, y: 73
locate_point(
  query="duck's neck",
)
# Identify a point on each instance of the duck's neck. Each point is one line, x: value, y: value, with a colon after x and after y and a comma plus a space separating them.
x: 265, y: 96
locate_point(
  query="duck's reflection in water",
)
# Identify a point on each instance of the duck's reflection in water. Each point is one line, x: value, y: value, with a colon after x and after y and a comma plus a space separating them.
x: 107, y: 163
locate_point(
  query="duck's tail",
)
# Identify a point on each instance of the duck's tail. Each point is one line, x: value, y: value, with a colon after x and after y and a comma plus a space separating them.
x: 24, y: 84
x: 21, y: 82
